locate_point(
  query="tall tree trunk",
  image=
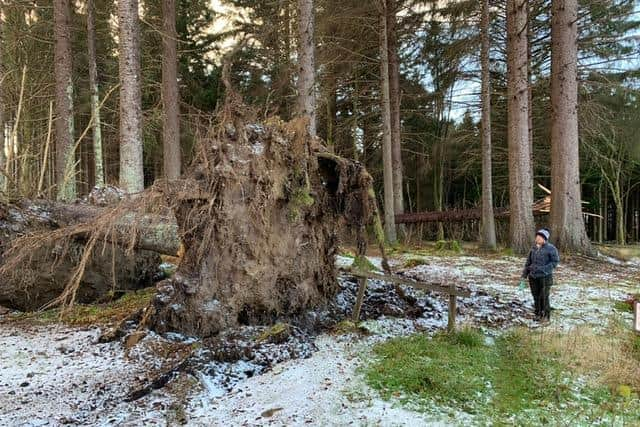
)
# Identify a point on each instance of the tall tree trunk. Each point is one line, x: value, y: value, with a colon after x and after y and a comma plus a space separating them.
x: 529, y: 85
x: 131, y: 172
x: 95, y: 95
x: 170, y: 94
x: 3, y: 159
x: 306, y: 64
x: 620, y: 225
x: 287, y: 68
x: 387, y: 157
x: 65, y: 153
x: 355, y: 98
x: 394, y: 95
x: 605, y: 215
x: 567, y: 222
x: 488, y: 233
x: 601, y: 213
x: 331, y: 102
x: 521, y: 225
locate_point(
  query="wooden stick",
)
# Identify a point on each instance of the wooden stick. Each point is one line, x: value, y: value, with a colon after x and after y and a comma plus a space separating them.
x: 451, y: 323
x: 45, y: 156
x: 14, y: 136
x: 362, y: 286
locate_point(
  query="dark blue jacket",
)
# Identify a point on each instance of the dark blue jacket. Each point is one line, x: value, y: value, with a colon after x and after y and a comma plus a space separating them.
x: 541, y: 261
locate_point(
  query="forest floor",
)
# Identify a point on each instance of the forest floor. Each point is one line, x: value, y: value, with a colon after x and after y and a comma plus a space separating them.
x: 54, y: 372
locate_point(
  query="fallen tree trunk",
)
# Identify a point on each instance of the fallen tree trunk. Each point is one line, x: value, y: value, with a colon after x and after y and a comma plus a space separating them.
x: 44, y: 274
x: 455, y: 215
x: 157, y: 233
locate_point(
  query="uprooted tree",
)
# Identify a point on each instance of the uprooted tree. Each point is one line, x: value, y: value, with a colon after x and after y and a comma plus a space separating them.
x: 258, y: 213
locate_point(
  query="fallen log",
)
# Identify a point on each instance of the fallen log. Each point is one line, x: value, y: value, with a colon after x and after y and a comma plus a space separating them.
x: 157, y: 233
x: 43, y: 275
x: 455, y: 215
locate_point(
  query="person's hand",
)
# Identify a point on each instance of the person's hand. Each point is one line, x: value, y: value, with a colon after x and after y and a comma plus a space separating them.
x: 522, y: 285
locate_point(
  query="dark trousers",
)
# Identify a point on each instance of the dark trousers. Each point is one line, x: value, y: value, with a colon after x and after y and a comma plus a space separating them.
x: 540, y: 288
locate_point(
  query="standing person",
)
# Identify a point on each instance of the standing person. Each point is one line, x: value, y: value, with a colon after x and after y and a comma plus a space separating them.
x: 542, y: 260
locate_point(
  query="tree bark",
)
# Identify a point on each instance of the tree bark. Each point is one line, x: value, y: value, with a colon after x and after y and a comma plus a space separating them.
x: 131, y: 171
x: 306, y: 64
x: 95, y: 95
x: 63, y: 69
x: 567, y: 222
x: 394, y: 96
x: 488, y: 233
x: 3, y: 159
x: 455, y: 215
x: 387, y: 157
x: 331, y: 101
x: 521, y: 225
x: 170, y: 94
x: 601, y: 213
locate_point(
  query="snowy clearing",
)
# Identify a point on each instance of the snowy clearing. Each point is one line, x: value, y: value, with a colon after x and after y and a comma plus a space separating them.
x: 53, y: 374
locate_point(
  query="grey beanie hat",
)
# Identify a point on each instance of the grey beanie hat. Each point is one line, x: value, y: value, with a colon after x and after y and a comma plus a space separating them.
x: 544, y: 233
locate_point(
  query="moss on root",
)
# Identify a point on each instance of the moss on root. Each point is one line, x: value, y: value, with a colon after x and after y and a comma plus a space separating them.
x: 93, y: 314
x: 362, y: 263
x: 300, y: 199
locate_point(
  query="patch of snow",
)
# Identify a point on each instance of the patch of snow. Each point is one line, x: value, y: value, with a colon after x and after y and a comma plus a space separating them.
x: 56, y: 375
x: 324, y: 389
x: 343, y: 261
x: 257, y: 148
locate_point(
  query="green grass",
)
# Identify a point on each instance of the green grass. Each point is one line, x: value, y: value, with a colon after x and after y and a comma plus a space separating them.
x: 524, y: 376
x: 414, y: 366
x: 448, y: 246
x: 511, y: 381
x: 414, y: 262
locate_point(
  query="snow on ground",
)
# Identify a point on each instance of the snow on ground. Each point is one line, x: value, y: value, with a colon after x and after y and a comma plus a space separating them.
x: 53, y: 375
x: 322, y: 390
x: 56, y: 375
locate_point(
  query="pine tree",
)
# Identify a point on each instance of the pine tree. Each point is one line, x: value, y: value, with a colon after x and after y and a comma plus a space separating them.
x: 306, y: 64
x: 131, y: 171
x: 394, y: 95
x: 170, y: 95
x: 95, y: 94
x: 566, y: 204
x: 521, y: 225
x: 65, y: 150
x: 3, y: 159
x: 387, y: 158
x: 488, y: 233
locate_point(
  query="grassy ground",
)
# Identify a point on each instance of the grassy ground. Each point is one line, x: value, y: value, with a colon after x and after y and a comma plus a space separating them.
x: 522, y: 377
